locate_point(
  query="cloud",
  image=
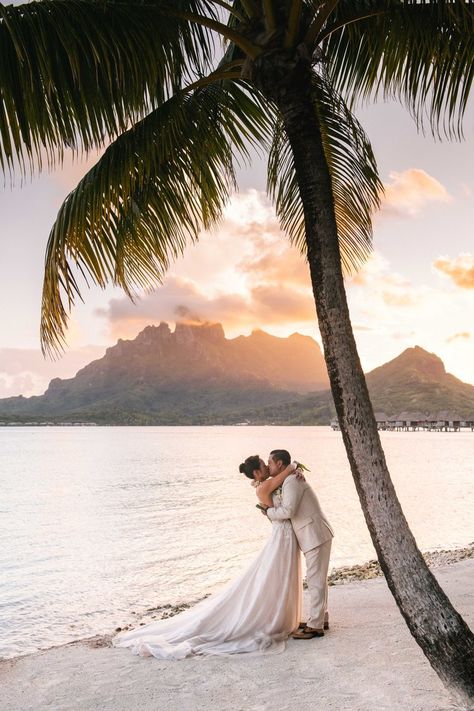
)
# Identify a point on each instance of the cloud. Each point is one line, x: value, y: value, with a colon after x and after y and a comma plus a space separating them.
x: 25, y: 371
x: 405, y: 314
x: 399, y: 298
x: 466, y: 190
x: 403, y: 335
x: 177, y: 300
x: 246, y: 276
x: 410, y: 191
x: 181, y: 300
x: 460, y: 269
x: 360, y: 327
x: 25, y: 384
x: 461, y: 336
x: 275, y: 303
x: 277, y: 263
x: 393, y: 289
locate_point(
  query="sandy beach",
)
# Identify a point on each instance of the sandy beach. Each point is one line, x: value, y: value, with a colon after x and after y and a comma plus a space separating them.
x: 368, y: 661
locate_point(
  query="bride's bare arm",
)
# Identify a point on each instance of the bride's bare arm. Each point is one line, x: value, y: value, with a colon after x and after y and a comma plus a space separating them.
x: 267, y: 487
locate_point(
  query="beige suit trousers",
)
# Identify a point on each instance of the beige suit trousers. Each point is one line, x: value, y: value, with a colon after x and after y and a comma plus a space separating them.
x: 317, y: 565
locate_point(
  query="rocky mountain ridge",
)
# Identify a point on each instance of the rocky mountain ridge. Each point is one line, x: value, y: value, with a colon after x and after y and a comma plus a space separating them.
x: 195, y: 375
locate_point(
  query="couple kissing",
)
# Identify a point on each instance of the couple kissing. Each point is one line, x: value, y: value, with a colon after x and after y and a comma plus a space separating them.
x: 285, y: 496
x: 261, y: 608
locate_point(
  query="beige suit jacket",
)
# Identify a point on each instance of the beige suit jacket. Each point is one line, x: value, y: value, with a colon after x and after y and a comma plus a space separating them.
x: 301, y: 506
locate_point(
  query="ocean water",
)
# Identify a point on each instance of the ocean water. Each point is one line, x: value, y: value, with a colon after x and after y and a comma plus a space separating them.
x: 97, y: 523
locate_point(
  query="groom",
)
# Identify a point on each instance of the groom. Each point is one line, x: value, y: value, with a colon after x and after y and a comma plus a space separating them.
x: 314, y: 535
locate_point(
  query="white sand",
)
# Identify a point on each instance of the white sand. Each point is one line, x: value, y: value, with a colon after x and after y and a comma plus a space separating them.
x: 367, y: 662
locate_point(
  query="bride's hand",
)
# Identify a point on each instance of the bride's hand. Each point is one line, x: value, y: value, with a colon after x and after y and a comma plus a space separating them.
x: 293, y: 470
x: 297, y: 471
x: 289, y: 470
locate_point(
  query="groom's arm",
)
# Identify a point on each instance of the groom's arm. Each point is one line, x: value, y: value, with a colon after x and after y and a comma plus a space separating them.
x: 291, y: 497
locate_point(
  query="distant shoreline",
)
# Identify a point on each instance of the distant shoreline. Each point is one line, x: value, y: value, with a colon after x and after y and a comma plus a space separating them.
x: 44, y: 425
x: 4, y: 425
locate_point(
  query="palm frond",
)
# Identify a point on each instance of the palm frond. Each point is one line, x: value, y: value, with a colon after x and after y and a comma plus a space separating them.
x: 152, y: 191
x: 356, y: 185
x: 75, y: 73
x: 417, y: 51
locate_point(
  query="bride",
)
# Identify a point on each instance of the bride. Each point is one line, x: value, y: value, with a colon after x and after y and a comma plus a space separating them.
x: 254, y: 613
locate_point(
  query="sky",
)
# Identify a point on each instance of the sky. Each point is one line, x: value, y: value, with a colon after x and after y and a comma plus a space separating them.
x: 416, y: 289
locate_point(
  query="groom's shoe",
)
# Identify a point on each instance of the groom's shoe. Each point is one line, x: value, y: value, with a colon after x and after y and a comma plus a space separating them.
x: 302, y: 625
x: 308, y: 633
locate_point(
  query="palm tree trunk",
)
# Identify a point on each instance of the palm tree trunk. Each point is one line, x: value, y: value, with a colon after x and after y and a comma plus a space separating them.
x: 438, y: 628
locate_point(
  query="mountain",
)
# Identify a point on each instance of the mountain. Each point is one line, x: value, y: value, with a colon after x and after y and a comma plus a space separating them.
x: 417, y: 381
x: 413, y: 381
x: 195, y: 375
x: 192, y: 375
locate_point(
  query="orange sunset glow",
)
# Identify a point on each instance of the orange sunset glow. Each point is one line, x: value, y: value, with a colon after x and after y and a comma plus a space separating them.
x: 416, y: 289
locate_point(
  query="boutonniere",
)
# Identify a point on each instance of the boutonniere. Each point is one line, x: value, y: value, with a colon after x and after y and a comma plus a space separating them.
x: 279, y: 491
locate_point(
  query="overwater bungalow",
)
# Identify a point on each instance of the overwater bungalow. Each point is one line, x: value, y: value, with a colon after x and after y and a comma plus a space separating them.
x: 448, y: 421
x: 468, y: 422
x: 432, y: 421
x: 382, y: 420
x: 443, y: 421
x: 395, y: 423
x: 412, y: 420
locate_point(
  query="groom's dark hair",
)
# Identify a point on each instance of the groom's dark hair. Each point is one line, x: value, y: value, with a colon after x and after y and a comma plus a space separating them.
x: 281, y: 455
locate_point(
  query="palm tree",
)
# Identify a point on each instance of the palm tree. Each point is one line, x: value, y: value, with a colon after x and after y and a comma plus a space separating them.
x: 178, y: 109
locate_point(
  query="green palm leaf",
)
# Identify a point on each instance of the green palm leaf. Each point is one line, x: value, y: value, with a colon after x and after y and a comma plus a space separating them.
x: 417, y: 51
x: 355, y: 183
x: 151, y: 192
x: 77, y: 72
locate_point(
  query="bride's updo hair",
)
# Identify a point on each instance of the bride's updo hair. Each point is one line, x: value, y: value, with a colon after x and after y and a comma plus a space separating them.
x: 250, y: 464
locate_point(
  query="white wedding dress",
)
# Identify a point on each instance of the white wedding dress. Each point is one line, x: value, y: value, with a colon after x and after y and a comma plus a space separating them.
x: 254, y: 613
